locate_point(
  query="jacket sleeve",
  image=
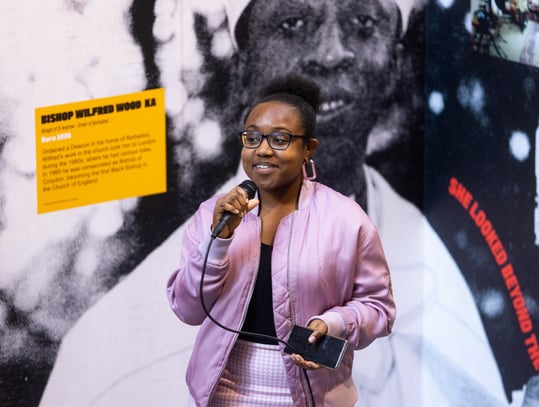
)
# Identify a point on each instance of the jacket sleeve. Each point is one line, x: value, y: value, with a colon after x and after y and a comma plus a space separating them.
x: 370, y: 312
x: 183, y: 286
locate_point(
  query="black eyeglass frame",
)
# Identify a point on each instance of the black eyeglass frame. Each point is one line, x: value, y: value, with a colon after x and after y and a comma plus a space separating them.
x: 269, y: 137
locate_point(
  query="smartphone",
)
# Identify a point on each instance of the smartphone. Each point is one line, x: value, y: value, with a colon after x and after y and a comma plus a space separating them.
x: 328, y: 351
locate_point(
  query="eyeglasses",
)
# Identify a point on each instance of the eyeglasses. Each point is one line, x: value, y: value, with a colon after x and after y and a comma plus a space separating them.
x: 277, y: 140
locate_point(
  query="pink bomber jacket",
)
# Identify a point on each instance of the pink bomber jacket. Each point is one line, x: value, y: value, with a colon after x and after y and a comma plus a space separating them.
x: 327, y: 262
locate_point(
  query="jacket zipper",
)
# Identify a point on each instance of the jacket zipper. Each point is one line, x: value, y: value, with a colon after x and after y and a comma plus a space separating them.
x: 288, y: 277
x: 292, y: 313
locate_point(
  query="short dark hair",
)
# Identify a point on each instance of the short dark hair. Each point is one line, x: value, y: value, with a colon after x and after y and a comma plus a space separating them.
x: 299, y: 92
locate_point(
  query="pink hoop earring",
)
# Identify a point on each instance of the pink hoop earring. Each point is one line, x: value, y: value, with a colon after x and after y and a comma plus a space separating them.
x: 311, y: 177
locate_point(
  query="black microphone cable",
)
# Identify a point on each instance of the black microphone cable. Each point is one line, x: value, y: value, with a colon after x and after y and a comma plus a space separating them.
x: 239, y: 332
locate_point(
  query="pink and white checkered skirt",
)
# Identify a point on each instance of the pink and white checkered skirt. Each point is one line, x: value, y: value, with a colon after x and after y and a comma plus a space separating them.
x: 254, y: 376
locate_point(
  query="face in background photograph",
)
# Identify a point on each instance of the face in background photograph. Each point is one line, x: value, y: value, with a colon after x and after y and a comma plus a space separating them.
x: 374, y: 104
x: 349, y: 48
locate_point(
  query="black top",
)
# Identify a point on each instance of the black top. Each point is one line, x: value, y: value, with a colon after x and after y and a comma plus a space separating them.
x: 260, y: 313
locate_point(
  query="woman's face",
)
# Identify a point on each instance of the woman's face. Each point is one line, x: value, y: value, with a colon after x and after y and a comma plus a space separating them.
x: 275, y: 169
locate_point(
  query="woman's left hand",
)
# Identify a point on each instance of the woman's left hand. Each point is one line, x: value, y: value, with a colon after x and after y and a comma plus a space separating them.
x: 320, y: 329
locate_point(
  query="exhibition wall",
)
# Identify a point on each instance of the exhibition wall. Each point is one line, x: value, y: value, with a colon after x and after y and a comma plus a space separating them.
x: 118, y: 118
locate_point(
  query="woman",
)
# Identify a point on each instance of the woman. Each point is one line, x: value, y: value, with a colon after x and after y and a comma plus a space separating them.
x: 299, y: 253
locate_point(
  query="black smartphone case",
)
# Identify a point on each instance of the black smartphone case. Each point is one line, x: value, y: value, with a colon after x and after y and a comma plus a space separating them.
x: 328, y: 351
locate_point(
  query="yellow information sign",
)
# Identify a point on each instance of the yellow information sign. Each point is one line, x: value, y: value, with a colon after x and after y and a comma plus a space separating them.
x: 100, y: 150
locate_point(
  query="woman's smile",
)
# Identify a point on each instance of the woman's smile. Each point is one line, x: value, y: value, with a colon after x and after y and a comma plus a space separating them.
x: 265, y: 168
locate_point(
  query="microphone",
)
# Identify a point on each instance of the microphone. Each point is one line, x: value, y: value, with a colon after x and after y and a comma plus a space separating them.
x: 249, y: 187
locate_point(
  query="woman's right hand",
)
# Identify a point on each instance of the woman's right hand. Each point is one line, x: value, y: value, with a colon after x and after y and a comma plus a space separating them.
x: 236, y: 202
